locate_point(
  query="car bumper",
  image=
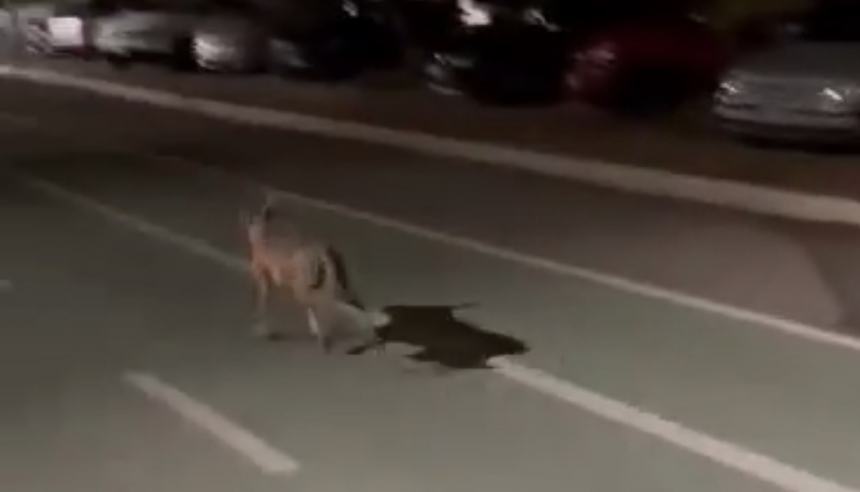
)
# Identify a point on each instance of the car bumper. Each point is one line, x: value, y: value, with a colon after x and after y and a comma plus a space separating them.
x: 226, y: 62
x: 789, y: 126
x: 326, y: 59
x: 444, y: 77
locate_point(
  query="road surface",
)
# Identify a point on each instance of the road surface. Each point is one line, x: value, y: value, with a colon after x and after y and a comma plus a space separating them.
x: 121, y: 264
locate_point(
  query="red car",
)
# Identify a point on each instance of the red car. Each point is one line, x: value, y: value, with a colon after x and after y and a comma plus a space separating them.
x: 646, y: 63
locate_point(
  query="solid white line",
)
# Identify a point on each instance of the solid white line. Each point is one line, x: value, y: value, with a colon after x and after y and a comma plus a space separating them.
x: 192, y: 245
x: 742, y: 196
x: 644, y: 289
x: 730, y: 455
x: 762, y: 320
x: 270, y: 460
x: 725, y: 453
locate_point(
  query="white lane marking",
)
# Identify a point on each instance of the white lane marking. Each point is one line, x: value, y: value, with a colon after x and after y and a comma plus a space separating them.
x: 270, y: 460
x: 762, y: 320
x: 742, y: 196
x: 644, y: 289
x: 770, y: 321
x: 195, y: 246
x: 730, y: 455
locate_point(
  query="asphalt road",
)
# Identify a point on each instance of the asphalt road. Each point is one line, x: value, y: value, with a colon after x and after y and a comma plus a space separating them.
x: 120, y: 251
x: 688, y: 141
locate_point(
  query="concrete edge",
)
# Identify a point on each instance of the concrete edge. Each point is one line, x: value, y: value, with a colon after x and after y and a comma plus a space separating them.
x: 724, y: 193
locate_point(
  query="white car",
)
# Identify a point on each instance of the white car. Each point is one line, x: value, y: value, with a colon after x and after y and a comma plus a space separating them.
x: 57, y: 28
x: 142, y: 33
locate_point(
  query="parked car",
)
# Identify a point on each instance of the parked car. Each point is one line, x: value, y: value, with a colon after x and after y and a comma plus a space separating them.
x: 31, y: 26
x: 64, y: 28
x: 230, y: 42
x: 148, y: 32
x: 332, y: 43
x: 806, y: 88
x: 498, y: 52
x: 647, y: 63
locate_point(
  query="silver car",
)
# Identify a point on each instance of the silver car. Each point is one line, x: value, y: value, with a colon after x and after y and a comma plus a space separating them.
x: 807, y: 88
x: 146, y: 33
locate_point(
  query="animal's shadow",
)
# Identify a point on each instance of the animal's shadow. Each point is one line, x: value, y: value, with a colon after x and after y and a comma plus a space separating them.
x: 441, y: 338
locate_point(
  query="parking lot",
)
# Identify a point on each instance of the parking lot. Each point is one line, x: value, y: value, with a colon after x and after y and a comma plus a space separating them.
x: 670, y: 345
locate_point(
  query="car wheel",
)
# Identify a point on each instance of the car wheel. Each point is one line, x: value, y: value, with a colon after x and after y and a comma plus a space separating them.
x: 118, y: 62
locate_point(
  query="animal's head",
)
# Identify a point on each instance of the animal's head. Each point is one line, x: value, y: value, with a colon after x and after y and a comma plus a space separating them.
x: 250, y: 220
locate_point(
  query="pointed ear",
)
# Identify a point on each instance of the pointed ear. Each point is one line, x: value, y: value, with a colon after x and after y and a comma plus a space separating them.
x: 244, y: 219
x: 463, y: 305
x: 270, y: 199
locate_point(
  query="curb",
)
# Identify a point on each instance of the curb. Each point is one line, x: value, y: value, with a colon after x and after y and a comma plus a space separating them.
x: 724, y: 193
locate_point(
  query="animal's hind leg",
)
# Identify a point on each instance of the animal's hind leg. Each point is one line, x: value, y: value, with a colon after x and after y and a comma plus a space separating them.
x: 317, y: 330
x: 262, y: 287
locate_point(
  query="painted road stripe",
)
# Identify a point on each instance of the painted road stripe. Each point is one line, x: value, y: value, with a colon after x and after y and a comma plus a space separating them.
x: 270, y: 460
x: 762, y: 320
x: 760, y: 466
x: 725, y: 193
x: 772, y: 322
x: 725, y: 453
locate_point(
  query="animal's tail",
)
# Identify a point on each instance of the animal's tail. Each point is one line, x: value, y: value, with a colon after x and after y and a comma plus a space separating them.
x: 268, y: 208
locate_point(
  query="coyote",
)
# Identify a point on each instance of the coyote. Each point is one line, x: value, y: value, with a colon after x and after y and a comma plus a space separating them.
x: 307, y: 270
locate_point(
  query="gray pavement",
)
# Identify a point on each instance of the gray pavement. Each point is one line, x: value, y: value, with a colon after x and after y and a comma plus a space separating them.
x: 803, y: 272
x: 686, y: 142
x: 90, y: 299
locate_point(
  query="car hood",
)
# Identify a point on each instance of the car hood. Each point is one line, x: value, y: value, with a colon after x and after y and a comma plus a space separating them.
x: 806, y: 60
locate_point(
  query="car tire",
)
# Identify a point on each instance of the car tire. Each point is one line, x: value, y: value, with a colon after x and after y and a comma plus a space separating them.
x: 118, y: 62
x: 182, y: 57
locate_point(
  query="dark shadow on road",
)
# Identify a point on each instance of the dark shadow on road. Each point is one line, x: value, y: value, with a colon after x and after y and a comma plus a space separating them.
x: 441, y: 338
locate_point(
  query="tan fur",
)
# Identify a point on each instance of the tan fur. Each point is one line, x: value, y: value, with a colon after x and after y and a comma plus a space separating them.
x: 283, y: 260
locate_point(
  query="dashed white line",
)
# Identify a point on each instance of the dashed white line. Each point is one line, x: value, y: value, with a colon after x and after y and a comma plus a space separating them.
x: 728, y: 454
x: 267, y: 458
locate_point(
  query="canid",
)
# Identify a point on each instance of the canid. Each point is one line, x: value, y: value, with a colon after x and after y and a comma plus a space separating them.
x: 284, y: 260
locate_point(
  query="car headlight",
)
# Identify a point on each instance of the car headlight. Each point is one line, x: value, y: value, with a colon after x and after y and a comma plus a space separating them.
x: 207, y: 46
x: 731, y: 90
x: 473, y: 14
x: 840, y: 98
